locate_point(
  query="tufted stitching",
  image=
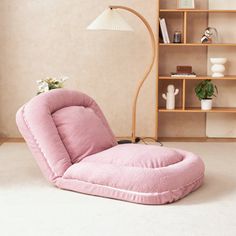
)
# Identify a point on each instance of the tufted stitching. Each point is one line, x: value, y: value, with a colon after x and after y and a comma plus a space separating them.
x: 37, y: 143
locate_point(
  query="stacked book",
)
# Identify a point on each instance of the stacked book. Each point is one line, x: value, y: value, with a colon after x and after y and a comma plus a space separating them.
x: 183, y: 71
x: 192, y: 75
x: 163, y: 30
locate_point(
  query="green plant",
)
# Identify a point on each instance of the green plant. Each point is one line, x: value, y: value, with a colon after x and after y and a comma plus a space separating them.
x: 50, y: 83
x: 206, y: 90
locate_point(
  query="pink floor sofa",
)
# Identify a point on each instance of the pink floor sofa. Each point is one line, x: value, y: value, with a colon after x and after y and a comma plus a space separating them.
x: 76, y: 150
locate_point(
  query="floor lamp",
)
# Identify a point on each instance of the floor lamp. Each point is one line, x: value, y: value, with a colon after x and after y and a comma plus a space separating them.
x: 110, y: 19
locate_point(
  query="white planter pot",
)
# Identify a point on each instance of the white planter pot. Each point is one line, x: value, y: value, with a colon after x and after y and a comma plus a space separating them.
x: 218, y: 67
x: 206, y: 104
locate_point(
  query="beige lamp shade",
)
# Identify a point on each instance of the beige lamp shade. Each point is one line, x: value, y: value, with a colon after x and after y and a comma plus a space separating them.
x: 110, y: 19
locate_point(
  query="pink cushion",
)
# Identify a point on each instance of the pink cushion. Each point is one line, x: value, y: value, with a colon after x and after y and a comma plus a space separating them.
x: 76, y: 150
x: 144, y: 174
x: 82, y: 132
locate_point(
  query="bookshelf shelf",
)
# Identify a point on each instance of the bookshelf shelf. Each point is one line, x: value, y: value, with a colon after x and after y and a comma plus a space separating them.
x: 167, y: 77
x: 191, y: 23
x: 197, y: 11
x: 197, y: 45
x: 198, y: 110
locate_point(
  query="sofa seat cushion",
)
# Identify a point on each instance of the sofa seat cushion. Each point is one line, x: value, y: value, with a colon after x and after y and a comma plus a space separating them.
x: 145, y: 174
x: 82, y: 132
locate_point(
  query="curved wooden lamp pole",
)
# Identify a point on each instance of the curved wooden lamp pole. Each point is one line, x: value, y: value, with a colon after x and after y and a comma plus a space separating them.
x: 140, y: 84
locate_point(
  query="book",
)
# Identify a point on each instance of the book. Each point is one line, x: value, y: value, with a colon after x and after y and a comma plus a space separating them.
x: 164, y: 31
x: 191, y: 75
x: 161, y: 38
x: 184, y: 69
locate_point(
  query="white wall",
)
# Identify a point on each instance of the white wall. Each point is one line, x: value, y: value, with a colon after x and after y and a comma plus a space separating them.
x: 49, y: 38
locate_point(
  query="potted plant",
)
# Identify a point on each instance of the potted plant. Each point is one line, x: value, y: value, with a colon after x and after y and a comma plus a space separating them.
x: 205, y: 91
x: 50, y: 83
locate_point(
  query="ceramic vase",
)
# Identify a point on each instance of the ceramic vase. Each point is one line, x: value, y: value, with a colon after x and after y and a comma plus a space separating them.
x: 170, y: 97
x: 218, y: 67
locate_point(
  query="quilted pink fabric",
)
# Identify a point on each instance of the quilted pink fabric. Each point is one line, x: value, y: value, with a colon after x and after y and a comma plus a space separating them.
x: 145, y: 174
x: 82, y: 132
x: 76, y: 150
x: 36, y: 123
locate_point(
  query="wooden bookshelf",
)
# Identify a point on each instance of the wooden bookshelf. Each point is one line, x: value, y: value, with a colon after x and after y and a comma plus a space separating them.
x: 191, y: 48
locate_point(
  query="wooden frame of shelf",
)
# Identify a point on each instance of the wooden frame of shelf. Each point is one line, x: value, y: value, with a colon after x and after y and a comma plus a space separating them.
x: 197, y: 44
x: 198, y: 10
x: 182, y: 106
x: 185, y: 29
x: 195, y: 139
x: 198, y: 110
x: 166, y: 77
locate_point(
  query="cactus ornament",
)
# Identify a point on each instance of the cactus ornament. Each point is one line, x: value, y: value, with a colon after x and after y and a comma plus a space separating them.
x: 170, y: 97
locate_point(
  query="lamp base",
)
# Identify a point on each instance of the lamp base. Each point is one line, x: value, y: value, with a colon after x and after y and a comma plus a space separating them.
x: 137, y: 140
x: 125, y: 141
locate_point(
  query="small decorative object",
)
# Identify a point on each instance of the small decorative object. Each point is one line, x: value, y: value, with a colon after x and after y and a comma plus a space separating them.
x: 177, y: 37
x: 210, y: 36
x: 205, y: 91
x: 49, y: 84
x: 183, y: 71
x: 218, y: 67
x: 170, y: 97
x: 186, y: 4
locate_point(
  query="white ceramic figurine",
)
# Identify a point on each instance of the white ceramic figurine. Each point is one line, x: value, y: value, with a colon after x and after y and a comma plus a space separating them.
x: 170, y: 97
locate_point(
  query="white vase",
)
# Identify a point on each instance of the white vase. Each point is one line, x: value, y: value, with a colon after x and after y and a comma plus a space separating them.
x: 218, y: 67
x: 206, y: 104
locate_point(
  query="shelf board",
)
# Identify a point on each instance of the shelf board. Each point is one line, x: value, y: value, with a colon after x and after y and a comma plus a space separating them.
x: 198, y: 10
x: 198, y: 44
x: 195, y: 139
x: 198, y: 110
x: 167, y: 77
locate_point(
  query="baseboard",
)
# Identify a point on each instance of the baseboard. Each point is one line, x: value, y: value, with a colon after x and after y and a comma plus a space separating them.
x: 160, y: 139
x: 11, y: 140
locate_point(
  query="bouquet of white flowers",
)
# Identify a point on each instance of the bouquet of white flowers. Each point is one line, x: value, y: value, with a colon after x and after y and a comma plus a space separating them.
x: 50, y: 83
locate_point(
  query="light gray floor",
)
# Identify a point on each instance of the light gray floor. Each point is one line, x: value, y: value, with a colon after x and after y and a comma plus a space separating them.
x: 29, y: 205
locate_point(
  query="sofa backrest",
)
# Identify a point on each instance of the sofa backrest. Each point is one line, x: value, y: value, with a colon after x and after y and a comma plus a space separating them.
x: 61, y: 127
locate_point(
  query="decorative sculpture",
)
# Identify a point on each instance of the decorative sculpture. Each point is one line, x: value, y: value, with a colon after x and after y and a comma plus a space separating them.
x: 170, y: 97
x: 210, y: 36
x: 218, y: 67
